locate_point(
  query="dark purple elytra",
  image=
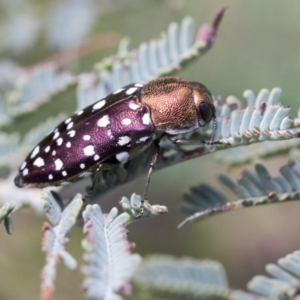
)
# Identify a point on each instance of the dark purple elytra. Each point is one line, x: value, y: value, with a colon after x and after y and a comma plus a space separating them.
x: 116, y: 129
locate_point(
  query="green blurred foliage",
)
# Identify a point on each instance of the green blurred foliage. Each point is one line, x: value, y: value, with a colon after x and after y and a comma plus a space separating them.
x: 257, y: 47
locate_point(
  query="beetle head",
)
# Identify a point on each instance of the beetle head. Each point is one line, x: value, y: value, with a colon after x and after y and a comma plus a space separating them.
x: 177, y: 105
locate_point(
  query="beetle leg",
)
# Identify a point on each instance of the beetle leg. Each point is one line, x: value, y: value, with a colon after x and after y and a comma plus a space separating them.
x: 95, y: 178
x: 150, y: 170
x: 178, y: 141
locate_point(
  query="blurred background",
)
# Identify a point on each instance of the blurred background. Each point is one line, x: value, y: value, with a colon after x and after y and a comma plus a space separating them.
x: 257, y: 47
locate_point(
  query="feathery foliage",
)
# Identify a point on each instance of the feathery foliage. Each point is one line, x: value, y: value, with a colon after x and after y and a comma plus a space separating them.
x: 55, y: 238
x: 253, y: 188
x: 285, y: 284
x: 165, y: 56
x: 5, y: 210
x: 186, y: 277
x: 247, y: 125
x: 109, y: 264
x: 207, y: 279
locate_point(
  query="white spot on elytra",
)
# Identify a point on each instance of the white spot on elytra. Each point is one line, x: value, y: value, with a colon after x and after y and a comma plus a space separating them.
x: 126, y: 121
x: 39, y: 162
x: 68, y: 145
x: 55, y: 130
x: 96, y: 157
x: 122, y: 157
x: 104, y: 121
x: 64, y: 173
x: 82, y: 166
x: 144, y: 139
x: 86, y: 137
x: 56, y: 135
x: 146, y: 119
x: 118, y: 91
x: 50, y: 176
x: 53, y: 152
x: 80, y: 113
x: 47, y: 149
x: 71, y: 133
x: 131, y: 90
x: 59, y: 141
x: 109, y: 133
x: 89, y: 150
x: 58, y: 164
x: 35, y: 151
x: 23, y: 165
x: 139, y: 85
x: 123, y: 140
x: 70, y: 125
x: 133, y: 106
x: 99, y: 104
x: 25, y: 172
x: 68, y: 121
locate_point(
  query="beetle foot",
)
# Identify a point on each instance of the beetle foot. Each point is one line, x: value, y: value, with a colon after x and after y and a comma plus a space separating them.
x: 142, y: 208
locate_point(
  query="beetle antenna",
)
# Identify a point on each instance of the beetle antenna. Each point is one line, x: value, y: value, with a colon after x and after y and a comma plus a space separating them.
x: 213, y: 134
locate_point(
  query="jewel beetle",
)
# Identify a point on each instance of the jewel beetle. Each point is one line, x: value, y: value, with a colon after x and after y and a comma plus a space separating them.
x: 116, y: 129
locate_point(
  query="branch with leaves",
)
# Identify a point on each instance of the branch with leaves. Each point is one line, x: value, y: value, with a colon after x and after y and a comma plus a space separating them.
x: 170, y: 276
x: 253, y: 188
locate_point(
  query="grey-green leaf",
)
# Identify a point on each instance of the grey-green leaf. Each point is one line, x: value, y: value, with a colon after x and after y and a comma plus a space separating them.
x: 186, y: 277
x: 109, y: 263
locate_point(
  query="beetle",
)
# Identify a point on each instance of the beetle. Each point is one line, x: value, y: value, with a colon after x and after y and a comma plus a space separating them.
x: 116, y: 129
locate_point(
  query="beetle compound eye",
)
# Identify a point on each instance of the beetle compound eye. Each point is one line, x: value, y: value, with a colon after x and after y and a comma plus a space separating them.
x: 206, y: 111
